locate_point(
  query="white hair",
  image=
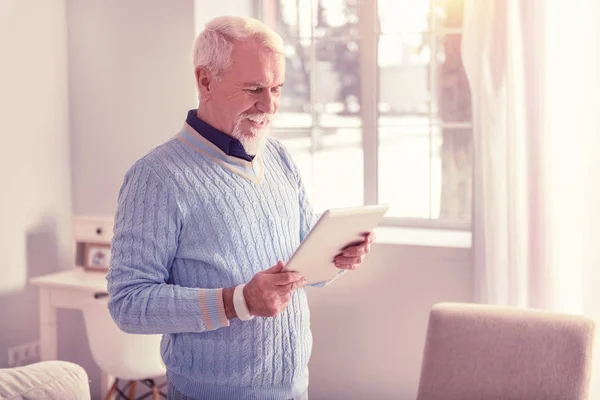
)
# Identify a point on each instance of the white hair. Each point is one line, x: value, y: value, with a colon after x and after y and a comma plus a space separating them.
x: 214, y: 45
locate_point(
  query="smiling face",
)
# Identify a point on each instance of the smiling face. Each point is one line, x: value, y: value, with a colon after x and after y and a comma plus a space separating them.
x: 243, y: 101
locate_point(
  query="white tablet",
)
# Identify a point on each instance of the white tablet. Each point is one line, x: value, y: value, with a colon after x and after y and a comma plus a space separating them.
x: 333, y: 232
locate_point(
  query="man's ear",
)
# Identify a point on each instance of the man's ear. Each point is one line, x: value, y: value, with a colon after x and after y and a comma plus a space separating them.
x: 203, y: 82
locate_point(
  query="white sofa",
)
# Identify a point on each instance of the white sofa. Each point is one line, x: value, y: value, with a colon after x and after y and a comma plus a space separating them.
x: 48, y: 380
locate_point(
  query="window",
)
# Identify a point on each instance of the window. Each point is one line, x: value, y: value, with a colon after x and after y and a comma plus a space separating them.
x: 376, y: 105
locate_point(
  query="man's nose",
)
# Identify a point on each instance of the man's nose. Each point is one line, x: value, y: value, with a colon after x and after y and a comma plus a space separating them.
x: 266, y: 103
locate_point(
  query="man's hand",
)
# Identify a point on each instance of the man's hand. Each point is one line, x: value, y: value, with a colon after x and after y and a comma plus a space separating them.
x: 268, y: 293
x: 353, y: 256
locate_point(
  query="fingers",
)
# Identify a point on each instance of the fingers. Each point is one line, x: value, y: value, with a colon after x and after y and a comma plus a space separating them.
x: 275, y: 269
x: 290, y: 287
x: 274, y: 277
x: 279, y: 283
x: 371, y: 237
x: 357, y: 251
x: 343, y: 261
x: 269, y: 291
x: 360, y: 249
x: 285, y: 278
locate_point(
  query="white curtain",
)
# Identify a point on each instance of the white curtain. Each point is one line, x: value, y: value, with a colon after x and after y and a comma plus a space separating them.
x: 533, y: 71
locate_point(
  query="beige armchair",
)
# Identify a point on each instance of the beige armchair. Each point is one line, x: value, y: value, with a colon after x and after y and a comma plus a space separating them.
x: 483, y: 352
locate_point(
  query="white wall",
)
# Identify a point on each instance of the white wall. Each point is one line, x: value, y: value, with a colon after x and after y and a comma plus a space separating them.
x: 131, y: 83
x: 369, y: 326
x: 205, y: 10
x: 35, y: 193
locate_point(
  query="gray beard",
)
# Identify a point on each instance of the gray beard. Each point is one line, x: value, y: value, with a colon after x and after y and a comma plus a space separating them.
x: 252, y: 145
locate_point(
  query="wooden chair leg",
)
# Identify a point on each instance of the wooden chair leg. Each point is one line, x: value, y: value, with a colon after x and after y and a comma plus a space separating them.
x: 155, y: 392
x: 132, y: 390
x: 112, y: 390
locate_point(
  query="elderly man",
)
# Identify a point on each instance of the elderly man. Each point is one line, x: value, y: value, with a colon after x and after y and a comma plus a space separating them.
x: 202, y: 225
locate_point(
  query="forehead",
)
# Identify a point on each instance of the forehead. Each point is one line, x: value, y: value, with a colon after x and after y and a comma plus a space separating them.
x: 254, y: 63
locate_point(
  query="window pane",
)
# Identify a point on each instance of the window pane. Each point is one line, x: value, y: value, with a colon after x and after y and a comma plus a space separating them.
x: 338, y: 170
x: 294, y: 19
x: 425, y: 171
x: 404, y: 74
x: 337, y: 18
x: 294, y: 108
x: 337, y: 83
x: 402, y: 16
x: 332, y: 169
x: 434, y: 178
x: 406, y: 82
x: 405, y: 167
x: 290, y: 18
x: 337, y: 137
x: 455, y: 192
x: 453, y: 99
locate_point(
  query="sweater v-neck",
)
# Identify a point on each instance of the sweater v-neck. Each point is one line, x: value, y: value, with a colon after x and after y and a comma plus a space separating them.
x: 251, y: 170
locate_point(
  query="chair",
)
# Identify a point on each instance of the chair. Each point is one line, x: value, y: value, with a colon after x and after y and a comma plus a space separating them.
x: 127, y: 357
x: 484, y: 352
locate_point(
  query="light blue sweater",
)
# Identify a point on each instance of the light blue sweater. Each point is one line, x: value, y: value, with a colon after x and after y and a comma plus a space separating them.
x: 192, y: 220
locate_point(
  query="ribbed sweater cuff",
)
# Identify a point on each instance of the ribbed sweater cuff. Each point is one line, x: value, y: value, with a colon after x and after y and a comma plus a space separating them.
x: 212, y: 308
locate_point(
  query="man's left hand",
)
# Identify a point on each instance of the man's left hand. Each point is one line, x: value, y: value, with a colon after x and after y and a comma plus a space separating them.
x: 353, y: 256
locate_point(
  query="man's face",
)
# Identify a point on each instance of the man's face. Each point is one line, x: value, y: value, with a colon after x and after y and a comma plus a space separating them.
x: 244, y: 100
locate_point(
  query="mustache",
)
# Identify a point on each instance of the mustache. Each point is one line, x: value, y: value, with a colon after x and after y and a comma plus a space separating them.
x: 258, y: 117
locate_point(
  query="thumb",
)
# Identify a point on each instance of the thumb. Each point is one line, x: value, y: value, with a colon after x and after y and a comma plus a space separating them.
x: 275, y: 269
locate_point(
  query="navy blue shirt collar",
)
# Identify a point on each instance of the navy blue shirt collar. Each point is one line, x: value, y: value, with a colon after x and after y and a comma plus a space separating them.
x: 228, y: 144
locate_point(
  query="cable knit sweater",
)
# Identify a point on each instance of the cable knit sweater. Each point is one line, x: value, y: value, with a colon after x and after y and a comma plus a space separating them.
x: 192, y: 220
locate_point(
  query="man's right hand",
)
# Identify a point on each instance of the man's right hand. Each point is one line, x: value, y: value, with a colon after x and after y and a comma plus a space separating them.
x: 269, y: 291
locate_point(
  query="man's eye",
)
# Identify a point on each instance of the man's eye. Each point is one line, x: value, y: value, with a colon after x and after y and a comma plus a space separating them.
x: 254, y: 90
x: 276, y: 90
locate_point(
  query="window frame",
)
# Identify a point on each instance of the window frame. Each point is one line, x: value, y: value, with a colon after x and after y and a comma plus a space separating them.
x: 370, y: 33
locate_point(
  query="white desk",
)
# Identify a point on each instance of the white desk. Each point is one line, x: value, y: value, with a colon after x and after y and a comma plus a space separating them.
x: 68, y: 290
